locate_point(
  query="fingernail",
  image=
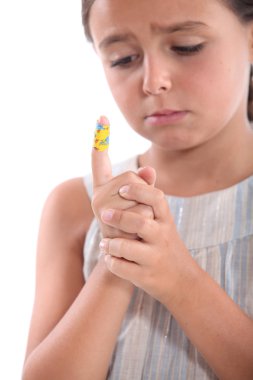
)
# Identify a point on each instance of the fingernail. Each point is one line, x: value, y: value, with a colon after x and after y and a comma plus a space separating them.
x: 124, y: 190
x: 102, y: 132
x: 107, y: 215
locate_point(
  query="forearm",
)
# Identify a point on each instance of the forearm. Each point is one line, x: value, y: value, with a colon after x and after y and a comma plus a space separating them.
x: 81, y: 345
x: 217, y: 327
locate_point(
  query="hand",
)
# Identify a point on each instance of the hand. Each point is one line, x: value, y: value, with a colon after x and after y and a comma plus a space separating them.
x: 157, y: 261
x: 106, y: 195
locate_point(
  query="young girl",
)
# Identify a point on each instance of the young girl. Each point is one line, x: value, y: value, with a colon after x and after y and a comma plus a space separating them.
x: 168, y: 258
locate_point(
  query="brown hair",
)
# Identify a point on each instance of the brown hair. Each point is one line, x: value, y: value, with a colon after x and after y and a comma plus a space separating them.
x: 86, y: 6
x: 243, y: 9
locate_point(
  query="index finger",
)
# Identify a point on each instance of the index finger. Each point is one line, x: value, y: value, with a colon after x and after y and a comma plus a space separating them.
x: 100, y: 161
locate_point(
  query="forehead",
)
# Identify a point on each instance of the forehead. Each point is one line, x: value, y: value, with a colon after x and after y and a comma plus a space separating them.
x: 119, y: 13
x: 141, y: 18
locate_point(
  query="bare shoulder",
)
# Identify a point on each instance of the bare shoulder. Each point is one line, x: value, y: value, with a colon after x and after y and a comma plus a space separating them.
x: 65, y: 220
x: 67, y: 212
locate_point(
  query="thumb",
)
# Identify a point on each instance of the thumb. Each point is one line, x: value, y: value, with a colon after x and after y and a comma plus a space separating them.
x: 100, y: 161
x: 148, y: 174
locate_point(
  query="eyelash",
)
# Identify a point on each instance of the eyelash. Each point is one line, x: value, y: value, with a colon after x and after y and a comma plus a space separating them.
x: 123, y: 61
x: 187, y: 50
x: 181, y: 50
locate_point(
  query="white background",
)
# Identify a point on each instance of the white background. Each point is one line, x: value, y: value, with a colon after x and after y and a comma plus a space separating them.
x: 52, y: 91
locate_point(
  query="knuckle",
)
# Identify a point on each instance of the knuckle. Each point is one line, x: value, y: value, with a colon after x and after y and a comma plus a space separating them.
x: 148, y: 212
x: 136, y: 188
x: 117, y: 248
x: 123, y: 246
x: 159, y: 195
x: 118, y: 216
x: 145, y: 211
x: 132, y: 177
x: 118, y: 219
x: 113, y: 247
x: 141, y: 223
x: 120, y: 246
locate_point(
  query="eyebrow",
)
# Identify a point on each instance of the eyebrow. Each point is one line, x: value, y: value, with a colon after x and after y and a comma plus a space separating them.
x: 114, y: 38
x: 186, y: 25
x: 164, y: 29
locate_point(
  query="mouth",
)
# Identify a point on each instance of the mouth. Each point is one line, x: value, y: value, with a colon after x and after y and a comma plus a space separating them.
x: 165, y: 117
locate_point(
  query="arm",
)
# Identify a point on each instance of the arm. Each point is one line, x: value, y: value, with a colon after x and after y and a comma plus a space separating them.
x: 162, y: 266
x: 74, y: 327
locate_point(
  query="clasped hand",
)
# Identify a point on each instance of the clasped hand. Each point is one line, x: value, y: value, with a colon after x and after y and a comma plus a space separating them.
x: 140, y: 241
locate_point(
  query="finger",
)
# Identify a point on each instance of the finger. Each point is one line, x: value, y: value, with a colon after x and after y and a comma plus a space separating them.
x: 131, y: 222
x: 122, y: 268
x: 143, y: 210
x: 147, y: 195
x: 148, y: 174
x: 101, y: 165
x: 131, y: 250
x: 112, y: 232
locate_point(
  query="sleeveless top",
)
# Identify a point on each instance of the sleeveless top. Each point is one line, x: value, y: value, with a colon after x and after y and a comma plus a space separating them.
x: 217, y: 229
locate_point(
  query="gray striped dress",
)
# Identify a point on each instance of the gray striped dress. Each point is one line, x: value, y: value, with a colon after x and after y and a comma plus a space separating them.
x: 217, y: 228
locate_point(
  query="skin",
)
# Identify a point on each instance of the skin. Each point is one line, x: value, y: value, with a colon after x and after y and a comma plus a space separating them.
x: 75, y: 323
x: 72, y: 316
x: 205, y: 83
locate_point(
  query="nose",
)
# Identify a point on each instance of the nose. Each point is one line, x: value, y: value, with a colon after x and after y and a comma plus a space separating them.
x: 156, y: 76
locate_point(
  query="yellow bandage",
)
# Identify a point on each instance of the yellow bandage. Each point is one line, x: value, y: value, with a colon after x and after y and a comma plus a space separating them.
x: 102, y: 133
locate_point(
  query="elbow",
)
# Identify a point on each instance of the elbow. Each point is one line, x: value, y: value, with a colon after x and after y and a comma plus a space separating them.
x: 28, y: 372
x: 32, y: 371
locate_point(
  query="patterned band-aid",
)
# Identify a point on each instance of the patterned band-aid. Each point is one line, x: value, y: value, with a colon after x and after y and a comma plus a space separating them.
x: 102, y: 132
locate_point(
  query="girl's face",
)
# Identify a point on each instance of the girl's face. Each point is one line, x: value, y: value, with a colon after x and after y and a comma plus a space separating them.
x: 178, y: 69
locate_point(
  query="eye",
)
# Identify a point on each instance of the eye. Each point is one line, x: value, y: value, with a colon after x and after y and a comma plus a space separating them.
x: 125, y: 61
x: 188, y: 50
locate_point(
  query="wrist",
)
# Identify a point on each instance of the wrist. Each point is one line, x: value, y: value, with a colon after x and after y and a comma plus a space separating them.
x: 183, y: 291
x: 111, y: 279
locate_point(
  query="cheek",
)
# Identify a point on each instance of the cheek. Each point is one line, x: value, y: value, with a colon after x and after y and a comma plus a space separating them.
x: 126, y: 94
x: 218, y: 86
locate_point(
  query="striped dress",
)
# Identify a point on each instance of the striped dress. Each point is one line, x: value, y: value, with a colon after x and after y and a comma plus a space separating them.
x: 217, y: 228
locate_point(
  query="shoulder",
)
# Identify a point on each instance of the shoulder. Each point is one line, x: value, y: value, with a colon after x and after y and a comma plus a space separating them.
x: 67, y: 211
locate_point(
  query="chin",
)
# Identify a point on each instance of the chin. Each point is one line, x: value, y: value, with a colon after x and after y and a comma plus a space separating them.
x: 175, y: 144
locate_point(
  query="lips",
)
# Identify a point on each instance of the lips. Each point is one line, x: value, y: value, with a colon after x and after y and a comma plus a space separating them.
x: 165, y: 117
x: 163, y: 113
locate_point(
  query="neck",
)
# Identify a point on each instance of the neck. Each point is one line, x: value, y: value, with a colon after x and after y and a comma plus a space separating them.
x: 215, y: 165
